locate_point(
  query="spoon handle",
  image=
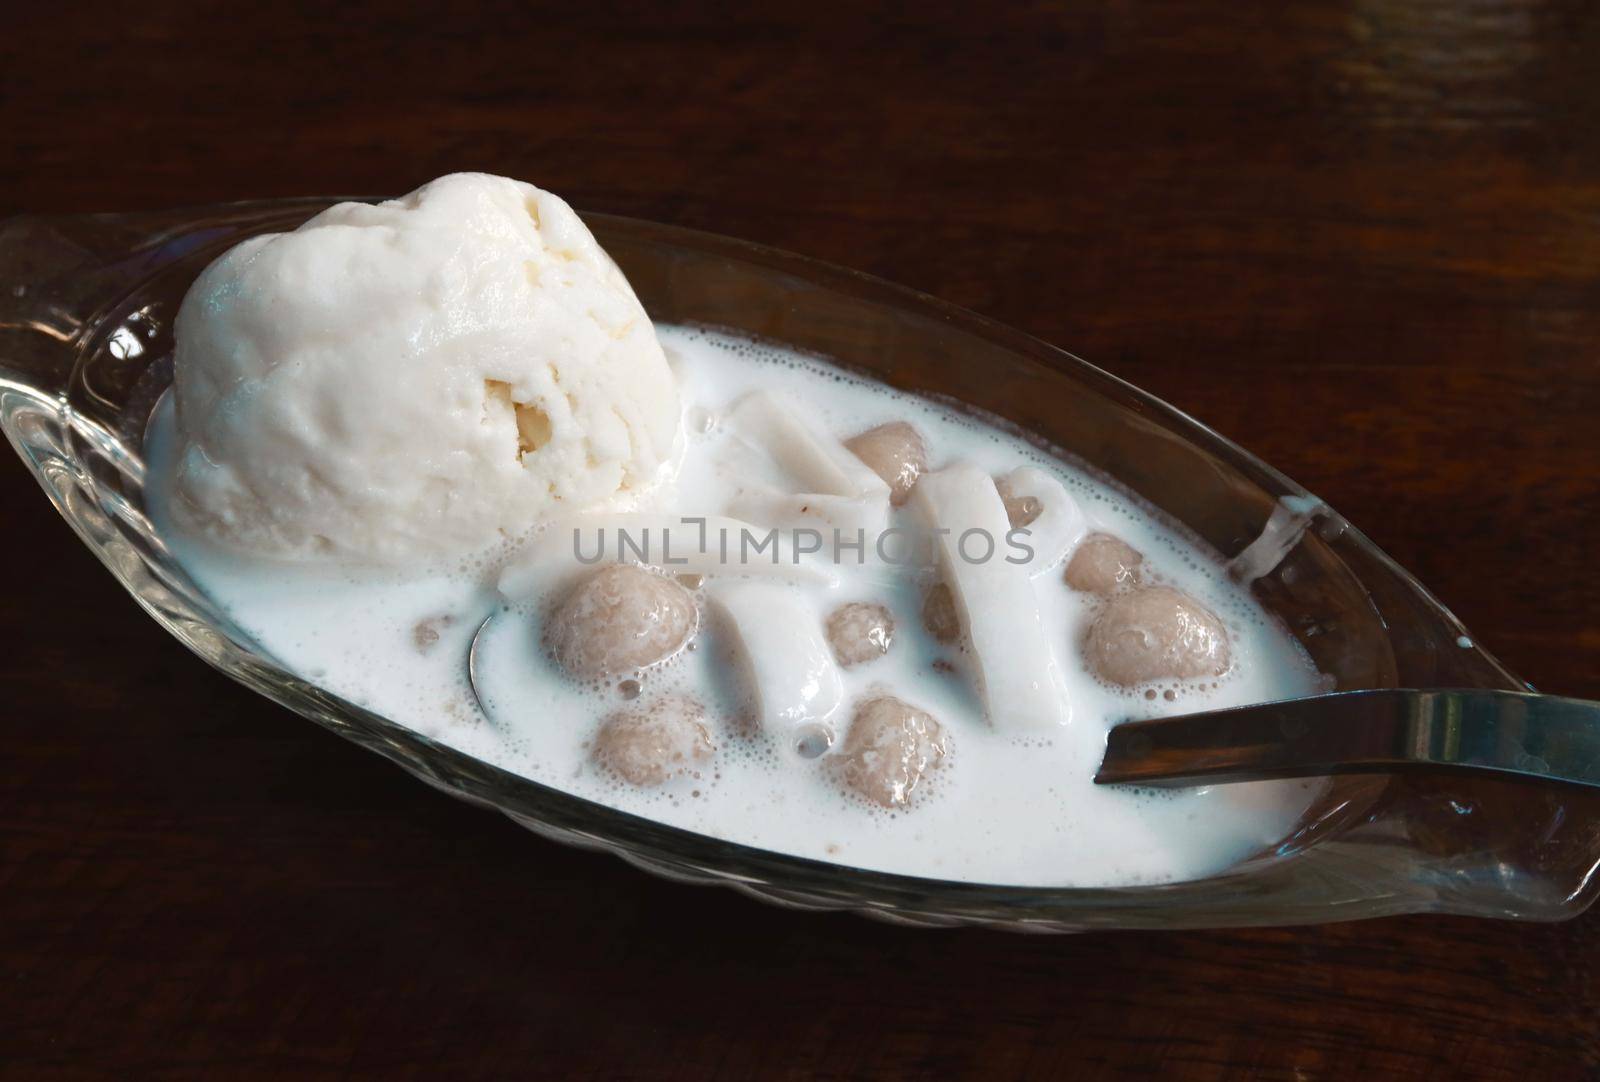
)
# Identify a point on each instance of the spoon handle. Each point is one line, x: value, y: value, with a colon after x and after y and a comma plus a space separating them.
x: 1504, y: 733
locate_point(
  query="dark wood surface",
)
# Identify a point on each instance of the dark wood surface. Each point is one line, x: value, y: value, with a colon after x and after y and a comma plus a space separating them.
x: 1360, y: 237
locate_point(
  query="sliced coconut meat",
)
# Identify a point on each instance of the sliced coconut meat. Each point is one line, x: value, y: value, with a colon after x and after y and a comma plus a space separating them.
x: 1014, y: 669
x: 780, y: 644
x: 829, y: 487
x: 1057, y: 525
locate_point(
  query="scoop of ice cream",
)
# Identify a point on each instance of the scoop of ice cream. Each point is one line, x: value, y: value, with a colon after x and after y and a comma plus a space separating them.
x: 420, y: 378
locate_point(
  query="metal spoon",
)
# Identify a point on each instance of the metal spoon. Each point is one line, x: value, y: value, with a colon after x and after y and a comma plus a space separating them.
x: 472, y: 663
x: 1502, y: 733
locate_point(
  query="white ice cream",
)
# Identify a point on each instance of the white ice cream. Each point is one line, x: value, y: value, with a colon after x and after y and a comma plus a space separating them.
x: 419, y: 379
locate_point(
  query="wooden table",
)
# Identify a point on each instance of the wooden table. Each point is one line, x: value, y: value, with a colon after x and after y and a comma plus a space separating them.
x: 1362, y: 238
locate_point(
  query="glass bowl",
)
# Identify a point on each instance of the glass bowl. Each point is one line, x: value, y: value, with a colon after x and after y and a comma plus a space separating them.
x: 86, y: 309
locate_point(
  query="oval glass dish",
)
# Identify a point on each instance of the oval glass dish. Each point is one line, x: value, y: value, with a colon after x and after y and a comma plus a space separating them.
x: 86, y: 307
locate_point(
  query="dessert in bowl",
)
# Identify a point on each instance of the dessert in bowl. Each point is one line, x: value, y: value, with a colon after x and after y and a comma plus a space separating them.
x: 928, y: 780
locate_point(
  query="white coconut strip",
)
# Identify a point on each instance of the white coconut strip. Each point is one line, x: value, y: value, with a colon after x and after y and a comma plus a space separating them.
x: 801, y: 444
x: 1290, y: 519
x: 712, y: 545
x: 850, y: 515
x: 1014, y: 669
x: 780, y: 643
x: 833, y: 488
x: 1061, y: 523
